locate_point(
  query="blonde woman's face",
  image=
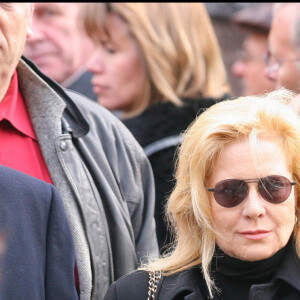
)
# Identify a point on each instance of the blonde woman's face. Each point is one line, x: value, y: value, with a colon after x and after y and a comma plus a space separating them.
x: 255, y: 229
x: 119, y: 74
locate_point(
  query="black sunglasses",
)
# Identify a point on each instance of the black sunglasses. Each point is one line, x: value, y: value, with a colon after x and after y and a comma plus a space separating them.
x: 231, y: 192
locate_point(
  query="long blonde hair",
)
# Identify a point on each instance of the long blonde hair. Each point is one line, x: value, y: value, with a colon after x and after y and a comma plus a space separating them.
x: 188, y: 206
x: 177, y: 43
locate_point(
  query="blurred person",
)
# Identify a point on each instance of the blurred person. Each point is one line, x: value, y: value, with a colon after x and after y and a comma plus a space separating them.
x: 283, y: 56
x: 60, y: 47
x: 249, y: 65
x: 38, y: 258
x: 229, y: 36
x: 101, y: 172
x: 160, y: 65
x: 235, y: 208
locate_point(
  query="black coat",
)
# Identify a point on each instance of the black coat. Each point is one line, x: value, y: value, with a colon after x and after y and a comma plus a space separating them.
x: 155, y: 123
x: 187, y: 285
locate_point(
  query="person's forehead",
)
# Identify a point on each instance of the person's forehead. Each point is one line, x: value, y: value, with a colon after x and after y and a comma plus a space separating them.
x: 281, y: 34
x: 285, y: 15
x: 66, y: 7
x: 10, y: 6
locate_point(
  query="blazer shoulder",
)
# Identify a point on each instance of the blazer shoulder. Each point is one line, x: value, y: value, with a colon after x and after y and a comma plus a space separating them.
x: 131, y: 286
x: 20, y: 180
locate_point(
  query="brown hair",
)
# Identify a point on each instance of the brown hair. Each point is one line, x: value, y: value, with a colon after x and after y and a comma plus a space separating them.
x: 177, y: 43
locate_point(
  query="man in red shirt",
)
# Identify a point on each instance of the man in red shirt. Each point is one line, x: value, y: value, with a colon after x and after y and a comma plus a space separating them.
x: 19, y: 147
x: 102, y: 174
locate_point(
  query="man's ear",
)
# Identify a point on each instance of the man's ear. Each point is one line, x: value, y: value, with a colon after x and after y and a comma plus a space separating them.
x: 30, y: 9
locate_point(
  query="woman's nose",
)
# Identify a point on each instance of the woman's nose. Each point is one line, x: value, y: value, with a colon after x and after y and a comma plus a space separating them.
x: 254, y: 204
x: 96, y: 62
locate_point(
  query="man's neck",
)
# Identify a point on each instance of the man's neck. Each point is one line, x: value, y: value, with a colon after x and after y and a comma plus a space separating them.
x: 5, y: 83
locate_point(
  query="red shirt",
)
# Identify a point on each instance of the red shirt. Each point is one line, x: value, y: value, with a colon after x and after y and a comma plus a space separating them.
x: 19, y: 148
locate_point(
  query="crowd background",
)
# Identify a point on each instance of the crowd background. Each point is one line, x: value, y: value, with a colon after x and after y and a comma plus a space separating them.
x: 229, y: 36
x: 102, y: 171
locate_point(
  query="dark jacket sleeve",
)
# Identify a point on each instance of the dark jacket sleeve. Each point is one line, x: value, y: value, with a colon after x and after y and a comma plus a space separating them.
x: 60, y: 254
x: 137, y: 185
x: 128, y: 179
x: 142, y: 219
x: 136, y: 182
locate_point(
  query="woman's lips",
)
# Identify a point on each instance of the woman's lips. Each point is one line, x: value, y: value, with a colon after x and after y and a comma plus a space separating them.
x: 255, y: 234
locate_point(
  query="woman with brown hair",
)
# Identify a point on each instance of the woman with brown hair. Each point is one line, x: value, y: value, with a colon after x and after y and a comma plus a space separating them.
x: 160, y: 65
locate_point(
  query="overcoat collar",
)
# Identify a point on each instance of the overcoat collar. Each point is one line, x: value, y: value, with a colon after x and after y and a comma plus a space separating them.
x: 186, y: 285
x: 289, y: 270
x: 73, y: 118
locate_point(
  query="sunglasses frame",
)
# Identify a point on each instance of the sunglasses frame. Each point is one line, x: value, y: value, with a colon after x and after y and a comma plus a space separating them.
x: 251, y: 180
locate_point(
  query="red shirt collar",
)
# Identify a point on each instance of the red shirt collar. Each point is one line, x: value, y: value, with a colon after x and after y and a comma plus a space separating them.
x: 13, y: 109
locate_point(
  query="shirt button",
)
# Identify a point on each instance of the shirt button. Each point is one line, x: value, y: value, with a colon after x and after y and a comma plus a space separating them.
x: 63, y: 146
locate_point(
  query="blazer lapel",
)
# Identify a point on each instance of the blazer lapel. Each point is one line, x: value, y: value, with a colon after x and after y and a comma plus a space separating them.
x: 194, y: 296
x: 185, y: 284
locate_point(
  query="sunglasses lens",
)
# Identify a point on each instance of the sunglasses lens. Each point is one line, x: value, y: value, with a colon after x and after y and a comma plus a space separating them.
x: 275, y: 189
x: 230, y: 193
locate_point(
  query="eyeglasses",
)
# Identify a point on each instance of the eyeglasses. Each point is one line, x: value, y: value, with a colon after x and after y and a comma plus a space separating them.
x: 231, y: 192
x: 273, y: 63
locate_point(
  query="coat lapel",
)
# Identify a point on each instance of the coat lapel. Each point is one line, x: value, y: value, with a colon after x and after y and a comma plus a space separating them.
x: 184, y: 285
x: 194, y: 296
x: 289, y: 269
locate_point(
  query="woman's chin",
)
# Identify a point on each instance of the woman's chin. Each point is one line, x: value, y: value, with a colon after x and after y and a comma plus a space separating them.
x: 254, y: 253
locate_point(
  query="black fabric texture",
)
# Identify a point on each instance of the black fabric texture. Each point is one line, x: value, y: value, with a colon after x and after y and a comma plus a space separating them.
x: 231, y: 273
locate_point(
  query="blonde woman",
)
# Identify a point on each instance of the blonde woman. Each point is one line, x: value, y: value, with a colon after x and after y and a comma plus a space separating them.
x: 235, y: 208
x: 159, y: 64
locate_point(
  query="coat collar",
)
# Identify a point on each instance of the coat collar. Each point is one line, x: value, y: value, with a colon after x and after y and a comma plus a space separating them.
x: 289, y: 270
x: 73, y: 120
x: 185, y: 284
